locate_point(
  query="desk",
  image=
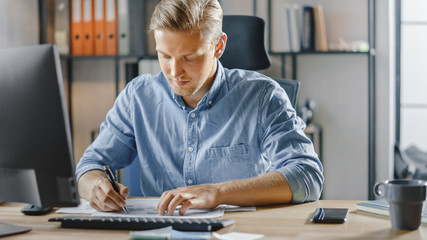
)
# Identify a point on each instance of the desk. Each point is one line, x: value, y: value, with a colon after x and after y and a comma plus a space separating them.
x: 275, y: 222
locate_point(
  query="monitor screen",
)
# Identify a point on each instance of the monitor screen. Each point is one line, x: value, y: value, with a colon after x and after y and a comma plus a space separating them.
x: 36, y: 154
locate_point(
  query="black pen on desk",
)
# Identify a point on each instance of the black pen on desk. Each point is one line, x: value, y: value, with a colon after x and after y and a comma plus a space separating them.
x: 112, y: 180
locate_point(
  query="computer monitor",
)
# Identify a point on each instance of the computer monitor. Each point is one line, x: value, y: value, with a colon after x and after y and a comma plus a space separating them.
x: 36, y: 155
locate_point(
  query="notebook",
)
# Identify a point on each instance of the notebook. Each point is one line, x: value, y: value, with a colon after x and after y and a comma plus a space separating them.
x: 381, y: 207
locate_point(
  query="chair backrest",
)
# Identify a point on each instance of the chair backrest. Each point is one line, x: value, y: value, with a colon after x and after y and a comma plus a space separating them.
x: 291, y: 88
x: 245, y: 46
x: 245, y: 49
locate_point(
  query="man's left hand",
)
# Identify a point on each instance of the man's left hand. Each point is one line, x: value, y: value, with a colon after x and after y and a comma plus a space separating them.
x: 199, y: 196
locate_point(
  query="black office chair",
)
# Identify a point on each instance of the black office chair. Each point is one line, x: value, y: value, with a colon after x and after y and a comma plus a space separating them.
x: 291, y: 88
x: 245, y: 49
x: 245, y: 45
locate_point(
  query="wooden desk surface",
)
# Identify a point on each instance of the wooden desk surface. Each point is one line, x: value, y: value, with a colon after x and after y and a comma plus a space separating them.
x: 275, y: 222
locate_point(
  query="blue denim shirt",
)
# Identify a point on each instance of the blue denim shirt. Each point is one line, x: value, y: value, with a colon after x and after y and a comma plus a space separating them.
x: 243, y: 127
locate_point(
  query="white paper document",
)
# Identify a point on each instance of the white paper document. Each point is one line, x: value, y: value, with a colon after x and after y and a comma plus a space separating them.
x: 143, y: 207
x: 84, y: 207
x: 147, y: 207
x: 169, y: 233
x: 237, y: 235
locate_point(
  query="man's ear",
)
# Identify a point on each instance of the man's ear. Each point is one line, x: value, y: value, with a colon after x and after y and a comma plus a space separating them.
x: 220, y: 47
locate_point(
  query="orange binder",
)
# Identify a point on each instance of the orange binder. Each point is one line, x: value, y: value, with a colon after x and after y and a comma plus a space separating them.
x: 99, y: 26
x: 76, y: 27
x: 87, y: 27
x: 110, y: 27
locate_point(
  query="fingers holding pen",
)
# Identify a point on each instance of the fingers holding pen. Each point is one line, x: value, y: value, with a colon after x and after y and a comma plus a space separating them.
x: 105, y: 198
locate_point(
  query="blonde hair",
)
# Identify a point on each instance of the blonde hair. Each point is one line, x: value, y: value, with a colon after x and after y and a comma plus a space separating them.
x: 204, y: 16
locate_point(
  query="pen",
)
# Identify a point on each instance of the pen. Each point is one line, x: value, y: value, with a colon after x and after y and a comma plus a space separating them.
x: 112, y: 180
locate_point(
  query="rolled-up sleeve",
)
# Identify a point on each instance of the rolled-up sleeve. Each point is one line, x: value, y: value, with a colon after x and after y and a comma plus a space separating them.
x: 286, y: 146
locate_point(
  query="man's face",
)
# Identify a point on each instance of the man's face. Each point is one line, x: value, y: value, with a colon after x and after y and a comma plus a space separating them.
x: 187, y: 61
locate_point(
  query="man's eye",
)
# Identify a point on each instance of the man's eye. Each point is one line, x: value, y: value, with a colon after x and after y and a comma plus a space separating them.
x: 191, y: 59
x: 163, y: 56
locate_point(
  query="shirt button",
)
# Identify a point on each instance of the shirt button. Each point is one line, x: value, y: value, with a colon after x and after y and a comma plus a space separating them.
x: 193, y: 115
x: 190, y: 181
x: 210, y: 102
x: 190, y: 149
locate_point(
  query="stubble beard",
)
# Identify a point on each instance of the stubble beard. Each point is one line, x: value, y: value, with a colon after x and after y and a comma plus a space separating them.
x: 181, y: 91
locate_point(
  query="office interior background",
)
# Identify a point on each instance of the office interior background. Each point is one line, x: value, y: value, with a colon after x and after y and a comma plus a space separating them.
x: 365, y: 102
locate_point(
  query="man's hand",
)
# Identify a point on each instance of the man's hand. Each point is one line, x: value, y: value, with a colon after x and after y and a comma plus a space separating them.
x: 270, y: 188
x: 95, y: 187
x: 199, y: 196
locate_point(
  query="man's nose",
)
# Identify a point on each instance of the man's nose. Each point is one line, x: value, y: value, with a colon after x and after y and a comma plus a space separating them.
x: 177, y: 69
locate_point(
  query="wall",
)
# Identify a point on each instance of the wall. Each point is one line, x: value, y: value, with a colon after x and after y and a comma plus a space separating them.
x: 19, y: 29
x: 93, y: 94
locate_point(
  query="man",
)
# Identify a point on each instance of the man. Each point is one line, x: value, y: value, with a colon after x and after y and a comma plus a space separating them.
x: 204, y: 135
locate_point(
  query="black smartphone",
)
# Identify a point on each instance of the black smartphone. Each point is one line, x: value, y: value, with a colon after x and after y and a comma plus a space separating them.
x: 330, y: 215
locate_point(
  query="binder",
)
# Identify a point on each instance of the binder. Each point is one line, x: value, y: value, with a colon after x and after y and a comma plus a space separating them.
x: 294, y: 28
x: 99, y: 27
x: 76, y: 27
x: 110, y: 27
x: 123, y: 18
x: 320, y: 30
x: 280, y: 38
x: 307, y: 35
x: 136, y: 30
x: 62, y: 26
x: 87, y: 28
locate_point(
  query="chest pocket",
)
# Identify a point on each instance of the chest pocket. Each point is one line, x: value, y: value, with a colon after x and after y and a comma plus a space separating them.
x: 229, y: 163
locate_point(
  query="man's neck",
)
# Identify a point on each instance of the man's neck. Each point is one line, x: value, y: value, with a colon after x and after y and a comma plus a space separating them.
x: 193, y: 100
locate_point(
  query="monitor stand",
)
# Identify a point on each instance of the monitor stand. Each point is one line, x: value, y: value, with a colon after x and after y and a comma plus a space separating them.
x: 10, y: 229
x: 31, y: 209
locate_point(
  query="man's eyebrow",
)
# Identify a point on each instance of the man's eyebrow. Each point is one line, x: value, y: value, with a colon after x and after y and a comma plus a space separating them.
x: 160, y: 51
x: 184, y: 55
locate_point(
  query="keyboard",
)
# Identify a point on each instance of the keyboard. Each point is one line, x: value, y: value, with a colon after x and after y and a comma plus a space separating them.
x: 137, y: 223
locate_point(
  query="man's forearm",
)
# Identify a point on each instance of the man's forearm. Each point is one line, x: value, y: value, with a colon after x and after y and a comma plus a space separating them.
x: 270, y: 188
